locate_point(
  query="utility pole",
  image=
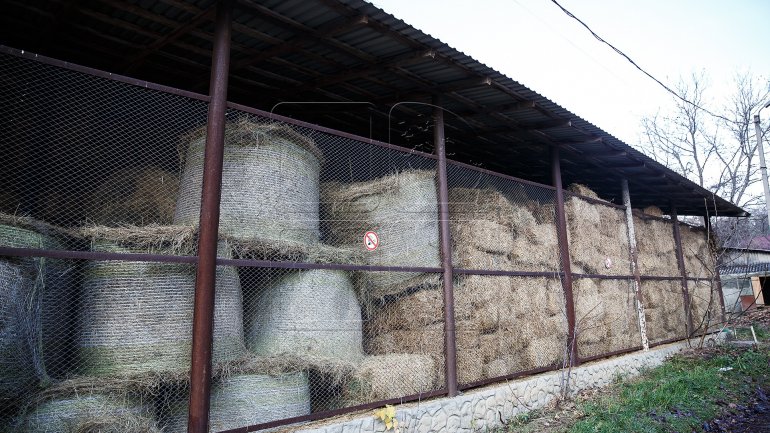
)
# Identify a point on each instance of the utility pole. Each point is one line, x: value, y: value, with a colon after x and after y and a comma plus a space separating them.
x: 762, y: 165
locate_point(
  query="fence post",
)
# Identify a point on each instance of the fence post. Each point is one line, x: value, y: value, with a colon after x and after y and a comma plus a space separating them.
x: 203, y: 312
x: 450, y: 342
x: 566, y: 267
x: 682, y: 270
x: 635, y: 265
x: 717, y: 276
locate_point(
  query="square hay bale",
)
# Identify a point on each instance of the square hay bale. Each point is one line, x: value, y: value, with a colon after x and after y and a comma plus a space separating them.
x: 606, y: 316
x: 656, y: 248
x: 402, y: 209
x: 664, y: 310
x: 382, y: 377
x: 699, y: 260
x: 598, y: 237
x: 705, y: 308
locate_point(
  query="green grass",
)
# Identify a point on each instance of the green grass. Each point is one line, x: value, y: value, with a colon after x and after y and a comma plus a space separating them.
x: 763, y: 334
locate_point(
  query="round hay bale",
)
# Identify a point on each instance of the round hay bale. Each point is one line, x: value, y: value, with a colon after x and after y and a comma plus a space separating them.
x: 374, y: 380
x: 403, y: 210
x: 269, y: 183
x: 308, y: 313
x: 138, y: 196
x: 653, y: 210
x: 91, y: 413
x: 17, y: 363
x: 246, y: 399
x: 136, y: 317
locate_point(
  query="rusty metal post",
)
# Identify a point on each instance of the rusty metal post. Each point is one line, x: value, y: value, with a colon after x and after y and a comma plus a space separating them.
x: 682, y: 270
x: 203, y: 313
x: 566, y: 266
x: 717, y: 277
x: 635, y: 265
x: 450, y: 342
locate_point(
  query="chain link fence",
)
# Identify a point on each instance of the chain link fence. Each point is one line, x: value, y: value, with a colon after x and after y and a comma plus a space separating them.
x: 329, y: 284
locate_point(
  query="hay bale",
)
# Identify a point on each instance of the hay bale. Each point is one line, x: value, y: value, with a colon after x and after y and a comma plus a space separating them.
x: 664, y: 310
x: 705, y: 308
x: 606, y: 316
x: 403, y: 210
x: 136, y: 317
x: 90, y: 406
x: 138, y: 196
x: 375, y: 380
x: 246, y: 399
x: 699, y: 260
x: 583, y: 190
x: 307, y: 313
x: 597, y: 233
x: 17, y: 359
x: 656, y: 249
x: 544, y: 351
x: 269, y: 183
x: 653, y: 210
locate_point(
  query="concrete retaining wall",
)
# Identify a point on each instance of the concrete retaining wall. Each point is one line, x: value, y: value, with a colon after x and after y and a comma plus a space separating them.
x: 489, y: 407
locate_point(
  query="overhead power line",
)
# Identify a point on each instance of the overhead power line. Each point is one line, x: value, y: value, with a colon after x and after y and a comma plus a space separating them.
x: 624, y: 55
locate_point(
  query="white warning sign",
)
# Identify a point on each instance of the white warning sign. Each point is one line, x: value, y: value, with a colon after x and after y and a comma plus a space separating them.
x: 371, y: 241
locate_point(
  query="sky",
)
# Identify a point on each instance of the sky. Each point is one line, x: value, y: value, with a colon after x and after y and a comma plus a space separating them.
x: 538, y: 45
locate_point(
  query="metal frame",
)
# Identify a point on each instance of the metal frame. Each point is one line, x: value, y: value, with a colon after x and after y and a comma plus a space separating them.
x: 207, y: 260
x: 682, y: 270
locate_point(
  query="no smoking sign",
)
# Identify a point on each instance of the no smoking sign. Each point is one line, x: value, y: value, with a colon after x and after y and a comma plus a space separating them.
x: 371, y: 241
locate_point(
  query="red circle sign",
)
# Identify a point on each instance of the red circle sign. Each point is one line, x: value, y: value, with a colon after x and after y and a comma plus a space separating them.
x: 371, y: 241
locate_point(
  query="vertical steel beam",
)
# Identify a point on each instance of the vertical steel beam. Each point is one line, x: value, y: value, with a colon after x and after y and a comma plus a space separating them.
x: 682, y: 270
x: 635, y: 265
x: 450, y: 342
x: 566, y: 266
x: 717, y: 277
x: 203, y: 313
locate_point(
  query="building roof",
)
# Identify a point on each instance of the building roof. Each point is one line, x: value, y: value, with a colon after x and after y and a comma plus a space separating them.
x: 351, y: 51
x: 745, y: 270
x: 758, y: 243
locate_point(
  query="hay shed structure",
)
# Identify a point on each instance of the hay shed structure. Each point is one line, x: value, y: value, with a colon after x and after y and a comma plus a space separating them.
x: 399, y: 255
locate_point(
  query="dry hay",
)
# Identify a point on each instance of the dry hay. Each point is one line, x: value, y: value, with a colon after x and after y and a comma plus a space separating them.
x: 583, y: 190
x: 705, y: 308
x: 490, y: 232
x: 653, y: 210
x: 493, y: 317
x: 246, y: 399
x: 382, y: 377
x: 664, y: 310
x: 135, y: 196
x: 136, y: 317
x: 402, y: 209
x: 605, y: 315
x: 656, y: 248
x: 269, y: 183
x: 597, y: 233
x: 305, y: 313
x: 699, y: 260
x: 90, y: 406
x: 290, y: 251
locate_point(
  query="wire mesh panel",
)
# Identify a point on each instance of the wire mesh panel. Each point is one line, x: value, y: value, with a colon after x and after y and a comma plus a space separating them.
x: 699, y: 260
x: 664, y: 310
x: 598, y: 238
x: 501, y: 224
x: 606, y: 319
x: 656, y: 247
x: 705, y: 308
x: 507, y: 325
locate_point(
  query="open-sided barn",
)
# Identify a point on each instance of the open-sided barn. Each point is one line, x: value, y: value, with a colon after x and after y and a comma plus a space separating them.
x: 246, y: 214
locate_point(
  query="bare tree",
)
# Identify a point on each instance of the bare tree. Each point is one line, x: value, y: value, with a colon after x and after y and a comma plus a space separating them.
x: 717, y: 152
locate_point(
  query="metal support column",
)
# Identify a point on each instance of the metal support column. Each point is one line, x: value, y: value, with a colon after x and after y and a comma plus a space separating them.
x: 717, y: 277
x: 566, y: 267
x: 682, y: 270
x: 203, y: 313
x: 635, y: 265
x: 450, y: 342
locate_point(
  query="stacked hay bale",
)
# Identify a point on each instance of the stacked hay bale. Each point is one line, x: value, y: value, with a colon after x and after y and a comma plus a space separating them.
x: 492, y: 233
x: 605, y: 316
x: 656, y: 248
x: 35, y: 301
x: 374, y: 379
x: 699, y: 260
x: 598, y: 237
x: 309, y: 314
x: 664, y: 310
x: 245, y: 398
x: 492, y: 316
x: 403, y: 210
x: 705, y: 308
x: 78, y: 406
x: 137, y: 196
x: 270, y: 188
x: 136, y: 317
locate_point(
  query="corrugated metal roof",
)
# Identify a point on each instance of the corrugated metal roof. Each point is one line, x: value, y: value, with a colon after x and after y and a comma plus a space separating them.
x: 330, y: 50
